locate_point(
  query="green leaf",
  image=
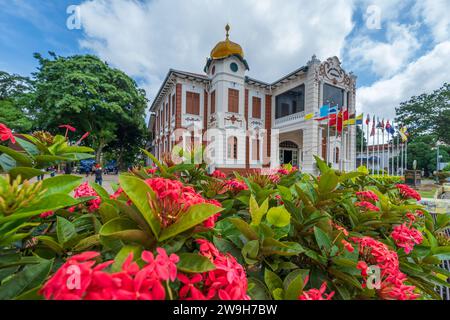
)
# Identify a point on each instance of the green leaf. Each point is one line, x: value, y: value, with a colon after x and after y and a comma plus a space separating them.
x: 250, y: 251
x: 195, y: 215
x: 108, y: 212
x: 322, y: 165
x: 279, y: 216
x: 138, y: 191
x: 442, y: 253
x: 126, y: 230
x: 272, y: 280
x: 244, y: 228
x: 104, y: 195
x: 272, y: 246
x: 323, y: 241
x: 65, y: 230
x: 30, y: 277
x: 87, y: 243
x: 77, y: 149
x: 20, y: 157
x: 328, y: 182
x: 63, y: 184
x: 256, y: 211
x: 24, y: 172
x: 45, y: 160
x: 257, y: 290
x: 51, y: 243
x: 194, y: 263
x: 123, y: 255
x: 293, y: 286
x: 155, y: 161
x: 30, y: 148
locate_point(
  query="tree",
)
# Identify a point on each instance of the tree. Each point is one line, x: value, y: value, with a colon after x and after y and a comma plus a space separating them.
x: 14, y: 117
x: 15, y: 93
x: 85, y: 92
x: 427, y: 114
x: 360, y: 132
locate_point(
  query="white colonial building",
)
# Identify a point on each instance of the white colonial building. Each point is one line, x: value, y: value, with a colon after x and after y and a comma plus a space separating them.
x: 247, y: 124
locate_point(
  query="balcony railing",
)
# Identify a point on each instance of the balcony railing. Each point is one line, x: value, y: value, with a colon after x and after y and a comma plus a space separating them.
x: 295, y: 117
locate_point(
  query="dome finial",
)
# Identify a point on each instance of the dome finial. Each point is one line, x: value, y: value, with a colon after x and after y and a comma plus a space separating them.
x: 227, y: 29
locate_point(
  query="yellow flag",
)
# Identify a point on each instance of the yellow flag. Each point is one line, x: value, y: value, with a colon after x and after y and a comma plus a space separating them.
x: 309, y: 116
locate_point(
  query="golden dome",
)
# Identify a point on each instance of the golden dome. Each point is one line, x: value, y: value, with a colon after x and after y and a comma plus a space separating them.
x: 226, y: 48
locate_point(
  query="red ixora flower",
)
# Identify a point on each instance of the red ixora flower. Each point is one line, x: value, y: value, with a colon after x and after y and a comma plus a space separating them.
x: 218, y: 174
x: 85, y: 190
x: 6, y: 134
x: 406, y: 237
x: 367, y: 206
x: 173, y: 199
x: 67, y: 127
x: 347, y: 245
x: 46, y: 214
x: 235, y: 185
x: 393, y: 285
x: 316, y: 294
x: 407, y: 192
x: 367, y: 196
x: 81, y: 278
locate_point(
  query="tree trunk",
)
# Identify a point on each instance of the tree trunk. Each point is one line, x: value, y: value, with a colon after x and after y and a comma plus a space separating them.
x: 98, y: 154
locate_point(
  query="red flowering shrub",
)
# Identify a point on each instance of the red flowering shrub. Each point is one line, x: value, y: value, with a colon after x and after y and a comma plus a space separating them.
x: 392, y: 279
x: 367, y: 196
x: 227, y: 282
x: 316, y: 294
x: 406, y: 237
x: 81, y: 278
x: 173, y: 199
x: 367, y: 206
x: 218, y: 174
x: 85, y: 190
x: 235, y: 185
x: 6, y: 134
x: 407, y: 192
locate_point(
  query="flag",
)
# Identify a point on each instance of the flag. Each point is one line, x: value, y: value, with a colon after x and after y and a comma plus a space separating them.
x: 382, y: 124
x: 309, y: 116
x: 372, y: 133
x: 403, y: 133
x: 359, y: 119
x: 390, y: 129
x: 342, y: 116
x: 333, y: 110
x: 379, y: 125
x: 368, y: 119
x: 351, y: 120
x: 323, y: 113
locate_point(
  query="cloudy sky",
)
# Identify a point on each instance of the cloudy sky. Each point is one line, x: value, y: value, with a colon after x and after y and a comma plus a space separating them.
x: 397, y: 48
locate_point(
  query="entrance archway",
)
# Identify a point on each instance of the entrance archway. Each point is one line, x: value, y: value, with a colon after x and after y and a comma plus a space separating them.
x: 289, y: 153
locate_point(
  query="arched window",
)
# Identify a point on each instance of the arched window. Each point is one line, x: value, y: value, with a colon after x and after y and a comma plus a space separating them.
x: 336, y: 153
x: 232, y: 148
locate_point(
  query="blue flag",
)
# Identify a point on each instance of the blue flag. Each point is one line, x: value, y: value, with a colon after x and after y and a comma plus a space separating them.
x: 324, y: 111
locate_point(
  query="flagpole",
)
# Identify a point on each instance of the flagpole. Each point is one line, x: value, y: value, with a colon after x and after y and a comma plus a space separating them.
x: 388, y: 162
x: 362, y: 140
x: 328, y: 135
x: 367, y: 145
x: 382, y: 152
x: 398, y: 156
x: 406, y: 155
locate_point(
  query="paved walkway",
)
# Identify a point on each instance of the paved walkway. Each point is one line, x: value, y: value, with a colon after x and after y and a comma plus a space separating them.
x: 108, y: 180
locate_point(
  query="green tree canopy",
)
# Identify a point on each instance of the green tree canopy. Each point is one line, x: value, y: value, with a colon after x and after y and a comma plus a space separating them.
x: 15, y: 94
x: 427, y: 114
x: 86, y: 93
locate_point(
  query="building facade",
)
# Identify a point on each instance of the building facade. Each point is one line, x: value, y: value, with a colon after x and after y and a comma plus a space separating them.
x: 246, y: 124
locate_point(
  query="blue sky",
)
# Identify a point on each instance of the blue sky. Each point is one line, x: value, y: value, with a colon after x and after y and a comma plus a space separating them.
x: 406, y: 56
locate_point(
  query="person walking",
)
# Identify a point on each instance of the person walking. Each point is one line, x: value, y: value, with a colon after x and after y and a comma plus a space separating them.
x: 98, y: 171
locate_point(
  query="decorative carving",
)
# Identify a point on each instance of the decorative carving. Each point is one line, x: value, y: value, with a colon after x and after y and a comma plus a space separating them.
x: 332, y: 71
x: 233, y: 119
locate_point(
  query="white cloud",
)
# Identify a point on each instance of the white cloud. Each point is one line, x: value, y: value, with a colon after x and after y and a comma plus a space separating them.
x: 385, y: 58
x: 435, y: 15
x: 424, y: 75
x: 146, y: 38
